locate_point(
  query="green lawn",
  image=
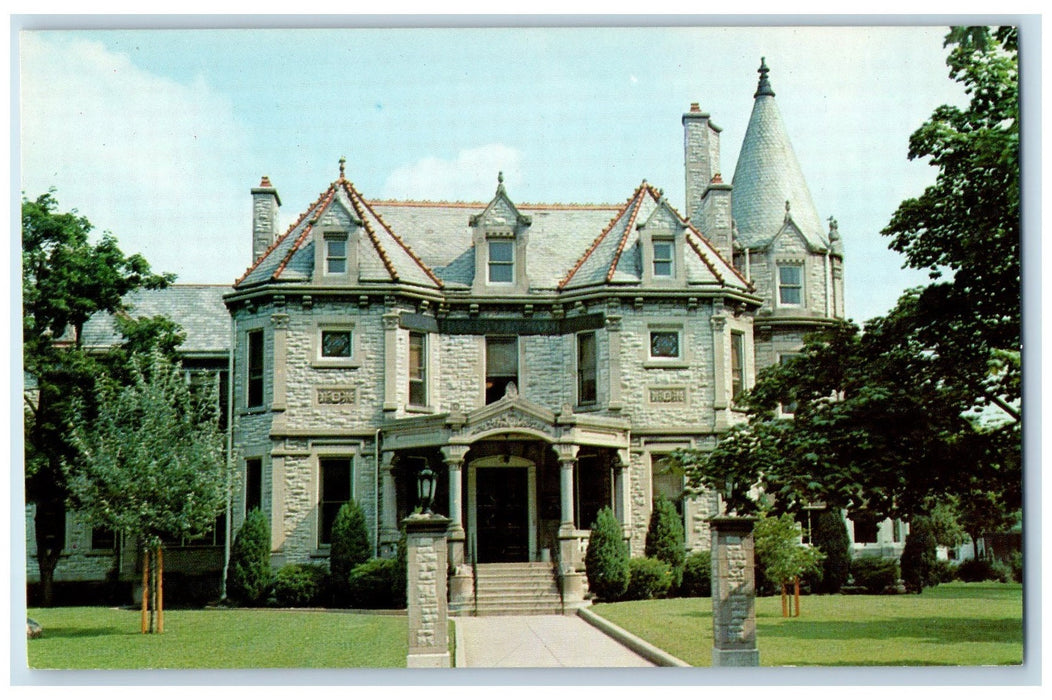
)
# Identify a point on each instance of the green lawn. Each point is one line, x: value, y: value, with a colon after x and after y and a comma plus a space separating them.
x: 958, y: 624
x: 107, y: 638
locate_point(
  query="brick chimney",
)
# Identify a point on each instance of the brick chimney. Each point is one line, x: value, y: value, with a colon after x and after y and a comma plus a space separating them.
x: 265, y: 205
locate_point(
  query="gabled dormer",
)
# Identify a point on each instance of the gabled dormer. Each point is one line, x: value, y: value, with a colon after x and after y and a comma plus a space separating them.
x: 661, y: 244
x: 499, y: 236
x: 336, y: 238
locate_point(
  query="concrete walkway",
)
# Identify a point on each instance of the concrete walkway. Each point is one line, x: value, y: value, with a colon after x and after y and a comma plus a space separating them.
x: 534, y: 641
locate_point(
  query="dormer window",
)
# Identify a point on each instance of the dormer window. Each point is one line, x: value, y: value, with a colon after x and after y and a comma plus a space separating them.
x: 664, y: 258
x: 790, y: 285
x: 501, y: 262
x: 336, y: 253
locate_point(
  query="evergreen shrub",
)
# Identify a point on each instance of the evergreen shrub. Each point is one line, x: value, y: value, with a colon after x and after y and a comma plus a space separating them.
x: 918, y: 556
x: 1015, y: 565
x: 349, y: 546
x: 875, y: 574
x: 400, y: 575
x: 697, y: 575
x: 249, y: 574
x: 300, y: 585
x: 975, y: 570
x: 648, y: 577
x: 665, y: 540
x: 371, y: 585
x: 829, y: 534
x: 606, y: 559
x: 944, y: 571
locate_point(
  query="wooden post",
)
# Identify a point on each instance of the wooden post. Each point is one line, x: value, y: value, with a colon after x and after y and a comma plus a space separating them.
x: 160, y: 590
x: 796, y: 595
x: 145, y: 586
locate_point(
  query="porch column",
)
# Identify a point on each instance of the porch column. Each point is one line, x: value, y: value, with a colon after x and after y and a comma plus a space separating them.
x: 389, y: 533
x: 569, y: 548
x: 621, y: 511
x: 453, y: 456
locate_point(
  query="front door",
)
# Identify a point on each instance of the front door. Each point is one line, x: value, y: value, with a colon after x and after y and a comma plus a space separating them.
x: 502, y: 514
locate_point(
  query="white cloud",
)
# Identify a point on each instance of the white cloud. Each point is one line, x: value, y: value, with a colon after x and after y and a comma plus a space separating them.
x: 144, y: 156
x: 470, y: 176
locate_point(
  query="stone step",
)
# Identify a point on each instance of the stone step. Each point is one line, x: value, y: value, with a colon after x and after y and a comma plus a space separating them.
x: 526, y: 588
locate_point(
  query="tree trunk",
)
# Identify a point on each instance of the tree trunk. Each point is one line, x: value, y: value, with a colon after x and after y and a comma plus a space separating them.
x: 785, y: 602
x: 49, y: 530
x: 145, y: 588
x: 160, y: 591
x: 796, y: 595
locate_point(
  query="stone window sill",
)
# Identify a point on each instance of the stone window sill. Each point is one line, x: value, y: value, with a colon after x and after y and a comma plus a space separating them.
x: 666, y: 364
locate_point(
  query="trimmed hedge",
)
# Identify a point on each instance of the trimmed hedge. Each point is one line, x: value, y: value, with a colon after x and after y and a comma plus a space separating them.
x: 697, y: 575
x: 371, y: 585
x: 301, y: 585
x: 875, y: 574
x: 648, y: 577
x: 606, y: 559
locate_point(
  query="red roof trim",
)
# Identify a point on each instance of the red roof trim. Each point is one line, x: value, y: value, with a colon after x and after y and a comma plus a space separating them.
x: 628, y: 231
x: 280, y: 239
x: 595, y: 243
x: 398, y: 239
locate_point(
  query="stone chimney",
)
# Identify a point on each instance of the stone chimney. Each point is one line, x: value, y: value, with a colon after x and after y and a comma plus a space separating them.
x: 708, y: 197
x: 265, y: 205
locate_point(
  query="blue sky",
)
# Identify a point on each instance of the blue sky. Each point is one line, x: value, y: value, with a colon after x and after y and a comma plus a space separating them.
x: 158, y: 135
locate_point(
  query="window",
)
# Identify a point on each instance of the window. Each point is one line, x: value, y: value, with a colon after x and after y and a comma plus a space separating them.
x: 664, y: 344
x: 790, y: 285
x: 865, y: 527
x: 334, y: 490
x: 502, y: 262
x: 417, y: 369
x: 335, y: 254
x: 255, y: 368
x: 664, y: 265
x: 103, y: 538
x: 667, y: 480
x: 592, y: 489
x: 737, y: 364
x: 502, y: 366
x: 788, y: 408
x: 336, y: 343
x: 253, y: 483
x: 586, y: 368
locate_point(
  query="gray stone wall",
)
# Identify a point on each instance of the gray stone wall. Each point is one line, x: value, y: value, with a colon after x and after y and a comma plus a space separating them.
x: 78, y: 562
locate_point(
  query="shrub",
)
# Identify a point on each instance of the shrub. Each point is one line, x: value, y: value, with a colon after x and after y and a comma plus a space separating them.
x: 249, y: 574
x: 665, y: 538
x: 944, y: 571
x: 1015, y: 565
x: 371, y: 584
x: 350, y: 547
x: 399, y: 577
x: 648, y: 578
x: 974, y: 570
x: 697, y: 575
x: 606, y: 559
x: 300, y: 585
x: 918, y: 556
x: 875, y: 574
x: 829, y: 534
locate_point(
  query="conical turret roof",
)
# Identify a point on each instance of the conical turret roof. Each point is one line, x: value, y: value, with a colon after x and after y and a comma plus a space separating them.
x: 769, y: 187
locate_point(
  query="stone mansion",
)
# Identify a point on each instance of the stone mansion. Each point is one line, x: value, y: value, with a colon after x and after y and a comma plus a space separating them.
x: 542, y: 359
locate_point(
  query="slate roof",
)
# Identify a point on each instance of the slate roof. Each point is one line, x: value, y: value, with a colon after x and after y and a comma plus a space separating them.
x: 767, y: 176
x: 431, y: 243
x: 198, y: 308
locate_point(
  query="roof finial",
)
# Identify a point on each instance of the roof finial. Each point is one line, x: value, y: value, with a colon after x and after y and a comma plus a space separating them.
x: 834, y: 229
x: 343, y: 162
x: 787, y: 211
x: 500, y: 181
x: 764, y: 88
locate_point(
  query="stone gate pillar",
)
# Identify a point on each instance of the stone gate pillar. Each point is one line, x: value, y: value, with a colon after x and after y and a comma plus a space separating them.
x: 733, y: 592
x: 426, y: 591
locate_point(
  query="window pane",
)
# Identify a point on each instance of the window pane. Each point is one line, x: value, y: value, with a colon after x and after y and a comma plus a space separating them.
x: 253, y: 483
x: 789, y: 274
x: 586, y: 368
x: 335, y: 343
x: 417, y: 369
x: 667, y: 481
x: 500, y: 251
x: 664, y: 344
x: 335, y: 490
x: 502, y: 366
x: 501, y: 261
x: 737, y: 364
x: 662, y: 259
x: 103, y: 538
x: 255, y: 368
x: 790, y: 285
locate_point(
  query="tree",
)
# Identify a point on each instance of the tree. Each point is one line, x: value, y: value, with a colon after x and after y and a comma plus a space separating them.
x: 152, y: 462
x: 350, y: 546
x: 785, y: 559
x: 665, y: 539
x: 917, y: 562
x: 65, y: 280
x: 607, y: 556
x: 249, y: 574
x: 829, y: 535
